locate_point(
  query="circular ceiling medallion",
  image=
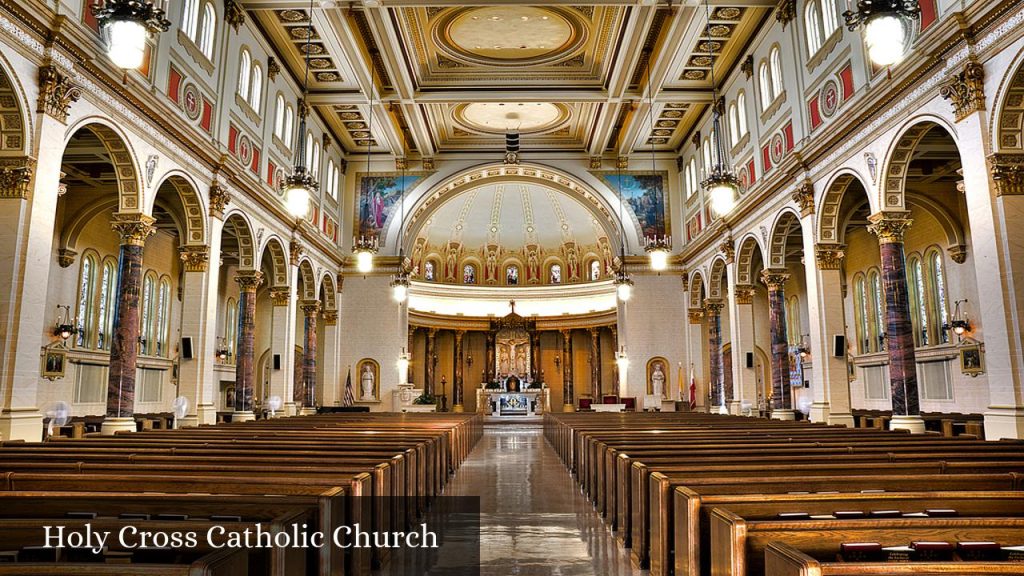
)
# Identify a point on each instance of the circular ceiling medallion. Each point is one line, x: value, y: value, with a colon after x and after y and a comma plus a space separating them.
x: 509, y: 35
x: 499, y: 117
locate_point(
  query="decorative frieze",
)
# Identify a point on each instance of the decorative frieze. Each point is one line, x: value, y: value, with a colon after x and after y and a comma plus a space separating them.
x: 774, y: 278
x: 133, y: 228
x: 16, y: 178
x: 280, y: 296
x: 56, y: 93
x: 829, y: 256
x: 1008, y: 173
x: 803, y: 195
x: 219, y: 199
x: 744, y: 294
x: 890, y: 226
x: 195, y: 258
x: 965, y: 90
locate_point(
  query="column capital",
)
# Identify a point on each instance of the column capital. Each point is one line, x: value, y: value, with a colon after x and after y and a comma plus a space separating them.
x: 890, y: 225
x: 295, y: 251
x: 744, y: 293
x: 696, y: 316
x: 280, y: 296
x: 132, y: 227
x: 965, y: 90
x: 958, y: 253
x: 310, y: 308
x: 594, y: 331
x: 195, y: 258
x: 728, y: 249
x: 15, y: 177
x: 249, y: 280
x: 56, y: 93
x: 219, y: 199
x: 803, y: 195
x: 1008, y: 173
x: 774, y: 278
x: 330, y: 317
x: 713, y: 306
x: 66, y: 257
x: 685, y: 277
x: 829, y: 256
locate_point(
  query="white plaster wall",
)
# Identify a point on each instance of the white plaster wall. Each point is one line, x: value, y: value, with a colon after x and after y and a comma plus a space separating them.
x: 652, y: 324
x: 370, y: 326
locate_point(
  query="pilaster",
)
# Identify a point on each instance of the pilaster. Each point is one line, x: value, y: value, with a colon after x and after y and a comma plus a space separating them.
x: 199, y: 322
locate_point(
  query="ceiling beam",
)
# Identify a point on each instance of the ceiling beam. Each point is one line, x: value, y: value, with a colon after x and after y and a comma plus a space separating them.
x: 322, y: 98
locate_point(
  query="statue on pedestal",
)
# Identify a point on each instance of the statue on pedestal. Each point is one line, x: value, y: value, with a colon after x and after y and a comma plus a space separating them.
x: 658, y: 381
x: 366, y: 380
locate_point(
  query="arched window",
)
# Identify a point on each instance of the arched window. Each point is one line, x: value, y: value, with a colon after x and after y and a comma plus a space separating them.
x: 830, y: 16
x: 686, y: 181
x: 190, y: 18
x: 860, y: 314
x: 811, y: 28
x: 309, y: 151
x: 314, y: 168
x: 231, y: 328
x: 693, y: 175
x: 706, y: 151
x: 595, y: 270
x: 734, y: 125
x: 877, y: 312
x: 766, y: 86
x: 147, y: 311
x: 776, y: 67
x: 108, y: 303
x: 918, y: 303
x: 289, y: 132
x: 279, y: 117
x: 428, y: 271
x: 555, y: 274
x: 329, y: 180
x: 512, y: 275
x: 469, y: 274
x: 208, y: 28
x: 86, y: 293
x: 256, y: 94
x: 244, y: 68
x: 163, y: 318
x: 741, y: 109
x: 938, y: 305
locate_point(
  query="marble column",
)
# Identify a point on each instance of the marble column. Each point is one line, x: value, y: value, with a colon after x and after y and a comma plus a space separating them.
x: 457, y: 381
x: 782, y: 399
x: 535, y: 372
x: 890, y: 228
x: 830, y: 381
x: 595, y: 364
x: 310, y: 312
x: 430, y: 362
x: 716, y: 378
x: 489, y: 360
x: 245, y: 369
x: 568, y: 399
x: 124, y: 350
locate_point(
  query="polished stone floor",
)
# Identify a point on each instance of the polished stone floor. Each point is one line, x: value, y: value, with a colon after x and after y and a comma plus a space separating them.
x: 534, y: 521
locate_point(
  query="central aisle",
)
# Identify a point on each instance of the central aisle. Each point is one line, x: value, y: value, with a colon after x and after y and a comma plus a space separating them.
x: 534, y: 521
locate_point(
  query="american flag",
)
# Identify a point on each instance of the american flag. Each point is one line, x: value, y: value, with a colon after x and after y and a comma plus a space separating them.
x: 350, y: 398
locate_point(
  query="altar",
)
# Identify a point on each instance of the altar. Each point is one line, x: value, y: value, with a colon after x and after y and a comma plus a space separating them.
x: 515, y: 403
x: 511, y: 384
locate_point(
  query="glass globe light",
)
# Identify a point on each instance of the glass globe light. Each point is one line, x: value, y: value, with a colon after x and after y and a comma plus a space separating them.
x: 364, y: 261
x: 885, y: 35
x: 297, y: 200
x: 126, y: 43
x: 723, y: 198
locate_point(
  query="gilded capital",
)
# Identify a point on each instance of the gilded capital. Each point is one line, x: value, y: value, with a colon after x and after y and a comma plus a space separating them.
x: 965, y: 90
x: 785, y: 11
x: 728, y: 249
x: 219, y: 199
x: 295, y: 250
x: 280, y: 296
x: 744, y: 294
x: 804, y: 198
x: 713, y: 307
x: 195, y: 258
x: 1008, y: 173
x: 310, y: 308
x: 695, y: 316
x: 249, y: 280
x: 889, y: 226
x: 330, y: 317
x: 56, y: 93
x: 829, y: 256
x: 16, y: 177
x: 774, y: 278
x: 133, y: 228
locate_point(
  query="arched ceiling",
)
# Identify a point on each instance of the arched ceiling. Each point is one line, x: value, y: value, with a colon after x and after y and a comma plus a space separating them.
x: 512, y: 215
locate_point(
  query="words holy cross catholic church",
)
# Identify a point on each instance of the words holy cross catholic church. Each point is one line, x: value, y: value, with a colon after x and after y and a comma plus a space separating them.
x: 292, y: 267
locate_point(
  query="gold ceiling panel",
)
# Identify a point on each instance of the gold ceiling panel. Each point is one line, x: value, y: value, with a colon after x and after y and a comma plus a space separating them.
x: 718, y: 46
x: 473, y: 126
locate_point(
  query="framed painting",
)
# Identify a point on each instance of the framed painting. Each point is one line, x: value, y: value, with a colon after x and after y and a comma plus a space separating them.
x: 646, y: 195
x: 54, y: 363
x: 972, y: 361
x: 378, y: 199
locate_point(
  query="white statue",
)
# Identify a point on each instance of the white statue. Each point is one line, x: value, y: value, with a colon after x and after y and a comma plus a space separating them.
x: 366, y: 382
x: 658, y: 381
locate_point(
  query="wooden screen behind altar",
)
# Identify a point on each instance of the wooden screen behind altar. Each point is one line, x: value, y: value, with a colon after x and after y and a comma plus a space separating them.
x: 512, y: 353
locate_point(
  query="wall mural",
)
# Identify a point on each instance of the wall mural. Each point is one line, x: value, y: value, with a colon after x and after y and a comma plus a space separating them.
x: 645, y: 194
x: 379, y: 193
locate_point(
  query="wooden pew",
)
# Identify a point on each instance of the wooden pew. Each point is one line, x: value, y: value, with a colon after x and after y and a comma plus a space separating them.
x: 781, y: 559
x: 220, y: 563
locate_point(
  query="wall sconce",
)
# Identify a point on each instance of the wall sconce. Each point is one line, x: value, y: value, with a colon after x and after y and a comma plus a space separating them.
x: 64, y: 326
x: 959, y: 324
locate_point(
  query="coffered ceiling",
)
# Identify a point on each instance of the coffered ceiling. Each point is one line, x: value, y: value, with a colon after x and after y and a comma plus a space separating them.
x: 452, y: 78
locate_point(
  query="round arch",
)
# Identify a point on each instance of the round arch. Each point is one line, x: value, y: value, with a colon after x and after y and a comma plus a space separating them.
x: 116, y: 143
x: 892, y: 194
x: 15, y: 124
x: 329, y: 290
x: 745, y: 258
x: 715, y: 277
x: 602, y: 203
x: 696, y: 290
x: 238, y: 224
x: 278, y: 261
x: 785, y: 222
x: 193, y: 220
x: 829, y: 219
x: 308, y: 277
x: 1006, y: 126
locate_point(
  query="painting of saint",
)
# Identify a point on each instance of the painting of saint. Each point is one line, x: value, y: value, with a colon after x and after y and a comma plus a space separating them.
x: 468, y: 274
x: 428, y: 271
x: 644, y: 192
x: 595, y: 271
x: 378, y: 200
x: 512, y: 275
x: 556, y: 274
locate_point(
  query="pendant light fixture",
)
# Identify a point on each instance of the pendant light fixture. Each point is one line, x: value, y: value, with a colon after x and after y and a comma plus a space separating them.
x: 658, y: 248
x: 721, y: 182
x: 400, y: 281
x: 364, y: 247
x: 886, y: 27
x: 300, y: 185
x: 125, y: 26
x: 623, y: 283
